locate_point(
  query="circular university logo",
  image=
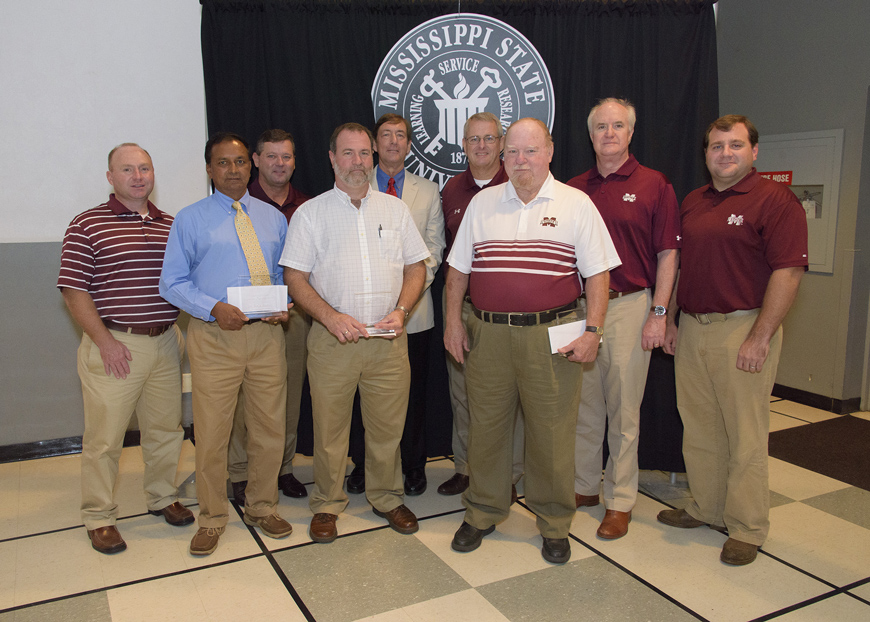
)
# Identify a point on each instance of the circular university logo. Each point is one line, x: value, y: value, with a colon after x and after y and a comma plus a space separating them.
x: 451, y: 67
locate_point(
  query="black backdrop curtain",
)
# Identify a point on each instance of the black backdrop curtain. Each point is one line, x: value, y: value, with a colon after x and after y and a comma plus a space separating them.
x: 308, y: 65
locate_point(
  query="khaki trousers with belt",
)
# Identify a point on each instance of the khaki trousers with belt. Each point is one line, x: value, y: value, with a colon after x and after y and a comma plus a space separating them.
x: 221, y: 363
x: 506, y: 365
x: 726, y: 420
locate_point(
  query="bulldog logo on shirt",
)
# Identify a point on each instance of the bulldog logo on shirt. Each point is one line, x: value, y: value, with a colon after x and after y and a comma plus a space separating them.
x: 631, y: 198
x: 733, y: 219
x: 549, y: 221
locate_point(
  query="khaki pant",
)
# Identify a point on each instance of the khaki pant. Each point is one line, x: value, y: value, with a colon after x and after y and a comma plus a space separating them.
x: 726, y: 420
x: 153, y: 390
x: 379, y: 368
x: 613, y: 387
x: 221, y: 363
x: 506, y: 365
x: 296, y: 338
x: 459, y: 403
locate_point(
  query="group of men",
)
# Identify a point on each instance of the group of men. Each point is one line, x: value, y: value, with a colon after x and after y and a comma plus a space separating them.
x: 525, y: 254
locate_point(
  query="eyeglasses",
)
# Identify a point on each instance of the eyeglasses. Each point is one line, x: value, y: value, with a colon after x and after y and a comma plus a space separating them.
x: 489, y: 139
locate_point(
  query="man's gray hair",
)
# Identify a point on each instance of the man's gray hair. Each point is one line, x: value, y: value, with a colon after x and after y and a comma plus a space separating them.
x: 629, y: 107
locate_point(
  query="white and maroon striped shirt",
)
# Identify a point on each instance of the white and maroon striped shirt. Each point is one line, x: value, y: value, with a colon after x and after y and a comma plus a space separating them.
x: 529, y: 258
x: 115, y: 255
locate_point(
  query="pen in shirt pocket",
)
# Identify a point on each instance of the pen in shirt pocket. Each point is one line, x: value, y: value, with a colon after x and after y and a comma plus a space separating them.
x: 380, y: 228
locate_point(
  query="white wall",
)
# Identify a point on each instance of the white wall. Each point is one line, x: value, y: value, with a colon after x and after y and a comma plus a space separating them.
x: 77, y: 78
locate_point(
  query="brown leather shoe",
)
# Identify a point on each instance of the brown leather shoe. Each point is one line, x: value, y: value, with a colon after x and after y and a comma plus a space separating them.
x: 737, y: 553
x: 679, y: 518
x: 514, y: 496
x: 273, y: 525
x: 205, y: 540
x: 454, y: 486
x: 175, y: 514
x: 614, y: 525
x: 322, y: 528
x: 107, y: 540
x: 587, y: 501
x: 291, y: 487
x: 401, y: 519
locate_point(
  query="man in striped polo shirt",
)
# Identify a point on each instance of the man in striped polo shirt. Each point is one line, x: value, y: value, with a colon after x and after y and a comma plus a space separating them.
x: 525, y: 245
x: 130, y: 355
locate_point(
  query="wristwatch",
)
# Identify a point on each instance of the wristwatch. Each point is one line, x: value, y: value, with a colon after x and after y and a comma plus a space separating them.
x: 404, y: 310
x: 659, y: 310
x: 598, y: 330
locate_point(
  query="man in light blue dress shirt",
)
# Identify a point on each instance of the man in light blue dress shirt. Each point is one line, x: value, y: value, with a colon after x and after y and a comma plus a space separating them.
x: 227, y: 350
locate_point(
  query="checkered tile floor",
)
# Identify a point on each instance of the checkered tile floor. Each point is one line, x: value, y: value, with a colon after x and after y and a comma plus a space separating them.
x: 815, y: 565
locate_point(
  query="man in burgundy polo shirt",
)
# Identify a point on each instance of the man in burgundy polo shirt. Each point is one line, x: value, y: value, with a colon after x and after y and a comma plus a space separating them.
x: 641, y: 212
x: 275, y: 158
x: 130, y: 355
x: 744, y: 253
x: 482, y: 142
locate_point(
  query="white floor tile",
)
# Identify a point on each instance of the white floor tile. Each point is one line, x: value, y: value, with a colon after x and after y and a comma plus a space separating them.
x: 466, y: 605
x: 246, y: 590
x: 862, y: 415
x: 684, y: 563
x: 798, y: 483
x: 841, y: 608
x: 10, y: 478
x: 783, y: 422
x: 862, y: 591
x: 829, y: 547
x: 801, y: 411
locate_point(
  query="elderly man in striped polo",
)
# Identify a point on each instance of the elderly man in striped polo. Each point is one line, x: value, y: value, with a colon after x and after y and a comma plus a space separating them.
x: 130, y: 355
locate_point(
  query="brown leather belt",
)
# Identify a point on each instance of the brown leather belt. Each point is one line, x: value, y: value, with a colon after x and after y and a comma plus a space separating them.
x: 524, y: 319
x: 614, y: 294
x: 153, y: 331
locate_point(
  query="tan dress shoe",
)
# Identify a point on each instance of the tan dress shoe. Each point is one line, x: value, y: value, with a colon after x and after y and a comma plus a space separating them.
x: 322, y: 528
x: 400, y: 519
x: 107, y: 540
x: 614, y: 525
x: 273, y: 525
x: 205, y: 540
x: 586, y: 501
x: 737, y: 553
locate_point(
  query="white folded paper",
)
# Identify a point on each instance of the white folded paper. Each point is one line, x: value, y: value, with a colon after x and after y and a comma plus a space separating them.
x: 258, y: 301
x: 563, y: 334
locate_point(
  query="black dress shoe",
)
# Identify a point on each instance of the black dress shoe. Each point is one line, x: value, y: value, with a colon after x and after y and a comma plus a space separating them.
x: 239, y: 492
x: 291, y: 487
x: 454, y: 486
x: 467, y: 538
x: 356, y: 481
x: 415, y: 482
x: 556, y: 550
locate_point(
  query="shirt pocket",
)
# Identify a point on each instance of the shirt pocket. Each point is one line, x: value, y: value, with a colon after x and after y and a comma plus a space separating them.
x: 390, y: 246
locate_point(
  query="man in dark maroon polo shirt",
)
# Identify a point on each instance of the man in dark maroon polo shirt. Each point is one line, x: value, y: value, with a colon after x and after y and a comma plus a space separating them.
x: 483, y: 141
x: 743, y: 255
x: 640, y: 209
x: 275, y: 158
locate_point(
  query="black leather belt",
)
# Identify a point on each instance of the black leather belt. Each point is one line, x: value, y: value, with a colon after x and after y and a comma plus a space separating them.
x: 524, y: 319
x: 614, y: 294
x: 153, y: 331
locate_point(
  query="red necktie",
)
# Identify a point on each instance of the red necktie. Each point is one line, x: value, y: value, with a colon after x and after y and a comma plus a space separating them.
x: 391, y: 188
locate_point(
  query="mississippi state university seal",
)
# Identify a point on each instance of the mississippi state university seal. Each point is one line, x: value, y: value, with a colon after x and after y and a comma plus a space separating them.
x: 450, y: 68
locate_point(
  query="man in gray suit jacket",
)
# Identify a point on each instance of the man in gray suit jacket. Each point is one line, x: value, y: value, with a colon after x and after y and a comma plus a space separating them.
x: 393, y: 144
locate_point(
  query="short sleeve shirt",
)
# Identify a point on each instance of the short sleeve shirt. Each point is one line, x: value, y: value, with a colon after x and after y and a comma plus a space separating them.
x: 733, y: 241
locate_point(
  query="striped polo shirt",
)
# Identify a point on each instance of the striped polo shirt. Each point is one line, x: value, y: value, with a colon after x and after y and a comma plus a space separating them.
x: 116, y: 255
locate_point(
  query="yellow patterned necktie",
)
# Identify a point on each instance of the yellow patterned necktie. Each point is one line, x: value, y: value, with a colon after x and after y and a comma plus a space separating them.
x: 251, y: 247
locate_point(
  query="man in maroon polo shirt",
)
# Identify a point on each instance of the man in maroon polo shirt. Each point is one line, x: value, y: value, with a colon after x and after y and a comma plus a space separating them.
x: 641, y: 212
x: 743, y: 255
x: 275, y: 158
x: 483, y: 141
x: 130, y: 355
